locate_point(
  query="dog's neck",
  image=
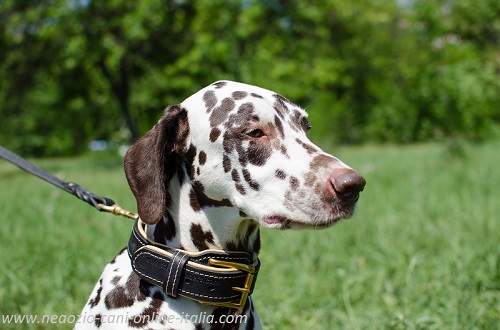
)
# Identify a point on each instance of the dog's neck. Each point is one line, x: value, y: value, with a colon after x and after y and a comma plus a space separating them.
x: 196, y: 222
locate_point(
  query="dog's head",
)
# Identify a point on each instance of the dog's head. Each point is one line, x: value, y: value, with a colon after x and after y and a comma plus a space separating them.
x: 245, y: 147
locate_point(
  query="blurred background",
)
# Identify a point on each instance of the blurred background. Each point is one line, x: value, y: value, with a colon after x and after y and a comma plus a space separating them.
x: 407, y: 92
x: 76, y: 71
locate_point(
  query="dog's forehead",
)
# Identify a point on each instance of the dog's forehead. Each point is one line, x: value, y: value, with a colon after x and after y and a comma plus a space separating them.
x: 225, y: 97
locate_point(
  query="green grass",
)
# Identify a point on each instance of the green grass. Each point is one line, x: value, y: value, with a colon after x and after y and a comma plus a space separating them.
x: 422, y: 252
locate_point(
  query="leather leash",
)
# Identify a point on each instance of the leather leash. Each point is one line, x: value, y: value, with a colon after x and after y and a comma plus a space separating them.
x: 101, y: 203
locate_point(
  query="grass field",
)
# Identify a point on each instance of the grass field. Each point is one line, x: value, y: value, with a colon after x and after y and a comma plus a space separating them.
x: 422, y: 252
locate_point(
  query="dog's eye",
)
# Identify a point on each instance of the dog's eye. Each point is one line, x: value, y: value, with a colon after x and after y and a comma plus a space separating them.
x: 256, y: 133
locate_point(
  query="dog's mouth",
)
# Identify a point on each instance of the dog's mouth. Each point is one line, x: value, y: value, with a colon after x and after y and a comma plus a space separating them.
x: 319, y: 216
x: 279, y: 222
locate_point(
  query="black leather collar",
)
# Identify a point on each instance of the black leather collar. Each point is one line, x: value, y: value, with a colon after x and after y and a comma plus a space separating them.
x: 213, y: 277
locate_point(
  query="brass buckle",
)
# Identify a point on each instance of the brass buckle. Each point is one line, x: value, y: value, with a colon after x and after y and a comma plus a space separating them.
x: 245, y: 291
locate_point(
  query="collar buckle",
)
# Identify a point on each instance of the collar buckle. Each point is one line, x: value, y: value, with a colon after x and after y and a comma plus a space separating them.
x: 245, y: 290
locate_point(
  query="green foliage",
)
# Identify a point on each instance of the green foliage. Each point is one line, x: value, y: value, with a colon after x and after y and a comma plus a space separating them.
x: 390, y: 71
x: 421, y: 251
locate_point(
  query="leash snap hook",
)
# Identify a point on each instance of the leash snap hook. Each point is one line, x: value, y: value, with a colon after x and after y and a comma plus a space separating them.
x: 117, y: 210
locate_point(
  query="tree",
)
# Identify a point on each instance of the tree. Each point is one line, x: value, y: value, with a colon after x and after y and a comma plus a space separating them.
x: 76, y: 54
x: 80, y: 70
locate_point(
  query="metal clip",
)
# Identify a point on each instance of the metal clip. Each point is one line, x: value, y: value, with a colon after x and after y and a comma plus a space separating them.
x: 118, y: 210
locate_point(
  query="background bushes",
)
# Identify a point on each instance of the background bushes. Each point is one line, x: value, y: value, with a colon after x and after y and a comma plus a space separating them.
x: 389, y: 71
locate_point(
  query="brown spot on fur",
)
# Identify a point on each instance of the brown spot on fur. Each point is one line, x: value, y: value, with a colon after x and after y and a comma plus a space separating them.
x: 231, y: 143
x: 320, y: 161
x: 282, y: 99
x: 294, y: 183
x: 279, y: 126
x: 258, y: 152
x: 240, y: 189
x: 317, y: 189
x: 190, y: 154
x: 284, y: 151
x: 115, y: 280
x: 210, y: 100
x: 309, y: 179
x: 219, y: 84
x: 195, y: 205
x: 226, y: 163
x: 202, y: 158
x: 280, y: 174
x: 165, y: 230
x: 256, y: 95
x: 276, y: 143
x: 239, y: 95
x: 248, y: 178
x: 297, y: 121
x: 235, y: 176
x: 309, y: 148
x: 220, y: 113
x: 93, y: 302
x: 214, y: 134
x: 125, y: 296
x: 199, y: 200
x: 149, y: 314
x: 246, y: 110
x: 98, y: 320
x: 280, y: 106
x: 201, y: 238
x: 242, y: 153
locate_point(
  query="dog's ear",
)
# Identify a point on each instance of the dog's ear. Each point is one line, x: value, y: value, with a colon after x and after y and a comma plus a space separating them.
x: 147, y: 160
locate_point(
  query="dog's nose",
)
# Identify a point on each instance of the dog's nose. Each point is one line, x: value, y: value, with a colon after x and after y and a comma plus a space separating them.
x: 348, y: 185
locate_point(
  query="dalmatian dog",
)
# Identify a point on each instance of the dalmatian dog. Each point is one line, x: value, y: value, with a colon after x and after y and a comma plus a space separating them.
x: 230, y: 158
